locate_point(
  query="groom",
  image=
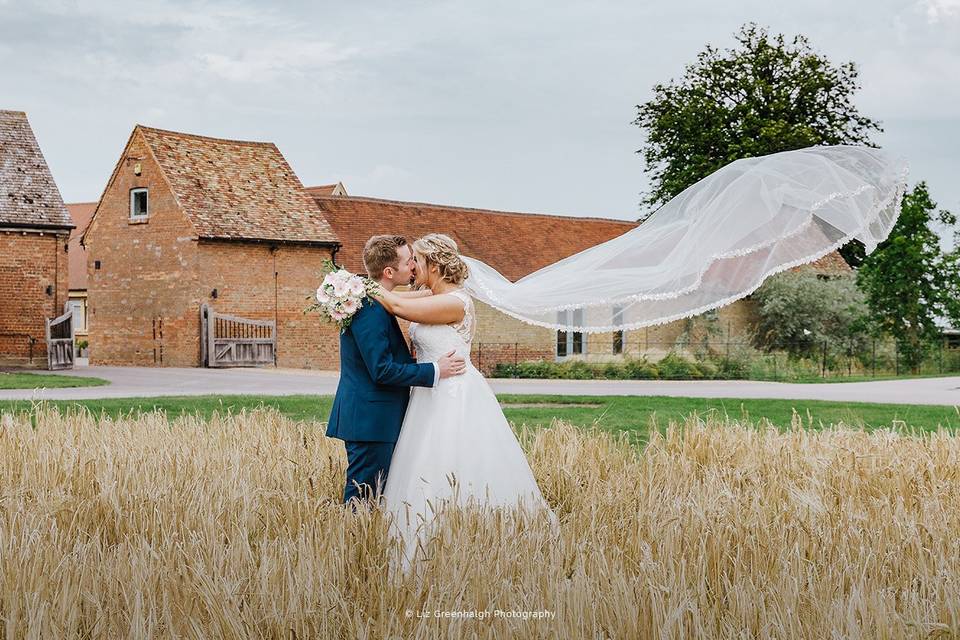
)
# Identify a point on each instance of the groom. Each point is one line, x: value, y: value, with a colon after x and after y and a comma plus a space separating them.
x: 376, y: 373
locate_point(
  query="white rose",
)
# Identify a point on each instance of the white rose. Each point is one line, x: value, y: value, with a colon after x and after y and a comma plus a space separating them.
x: 340, y: 288
x: 356, y: 286
x: 322, y: 296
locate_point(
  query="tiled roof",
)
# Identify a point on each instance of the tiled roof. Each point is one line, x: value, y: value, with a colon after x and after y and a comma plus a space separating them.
x: 81, y: 213
x: 336, y: 189
x: 515, y: 244
x: 28, y: 194
x: 234, y: 189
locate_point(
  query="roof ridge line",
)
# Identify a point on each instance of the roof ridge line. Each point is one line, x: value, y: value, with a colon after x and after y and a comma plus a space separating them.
x: 197, y: 136
x: 473, y: 209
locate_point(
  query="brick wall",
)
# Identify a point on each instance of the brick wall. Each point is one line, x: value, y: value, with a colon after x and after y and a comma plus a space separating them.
x: 500, y: 338
x: 304, y: 341
x: 143, y: 301
x: 29, y: 262
x: 253, y: 291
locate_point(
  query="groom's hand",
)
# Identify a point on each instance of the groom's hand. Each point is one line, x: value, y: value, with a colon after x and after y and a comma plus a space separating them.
x: 451, y: 365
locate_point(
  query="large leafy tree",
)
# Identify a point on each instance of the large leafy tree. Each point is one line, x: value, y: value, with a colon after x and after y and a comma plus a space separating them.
x: 798, y: 313
x: 765, y: 95
x: 909, y: 281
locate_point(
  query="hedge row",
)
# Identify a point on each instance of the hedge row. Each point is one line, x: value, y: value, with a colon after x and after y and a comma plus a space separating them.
x: 671, y: 367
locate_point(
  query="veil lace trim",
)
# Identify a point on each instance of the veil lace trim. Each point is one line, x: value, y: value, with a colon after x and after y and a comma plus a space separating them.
x: 870, y: 220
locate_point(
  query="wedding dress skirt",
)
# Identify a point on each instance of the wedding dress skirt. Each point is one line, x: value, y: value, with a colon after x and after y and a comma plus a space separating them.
x: 455, y: 446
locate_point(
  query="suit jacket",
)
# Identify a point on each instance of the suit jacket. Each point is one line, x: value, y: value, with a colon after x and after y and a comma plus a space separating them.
x: 376, y: 373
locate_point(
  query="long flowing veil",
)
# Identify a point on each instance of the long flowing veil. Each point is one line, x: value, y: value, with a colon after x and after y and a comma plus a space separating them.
x: 713, y: 243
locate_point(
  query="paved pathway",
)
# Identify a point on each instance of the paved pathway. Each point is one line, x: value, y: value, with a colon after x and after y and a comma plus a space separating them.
x: 164, y: 381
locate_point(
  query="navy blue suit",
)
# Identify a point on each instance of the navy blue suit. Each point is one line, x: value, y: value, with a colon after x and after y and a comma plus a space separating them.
x: 376, y: 373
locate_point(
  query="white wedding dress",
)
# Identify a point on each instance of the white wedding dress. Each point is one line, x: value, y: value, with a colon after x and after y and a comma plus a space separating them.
x: 454, y: 435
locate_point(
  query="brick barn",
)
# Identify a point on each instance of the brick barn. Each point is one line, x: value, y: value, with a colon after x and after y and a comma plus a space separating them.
x: 34, y: 230
x: 517, y: 244
x: 186, y: 220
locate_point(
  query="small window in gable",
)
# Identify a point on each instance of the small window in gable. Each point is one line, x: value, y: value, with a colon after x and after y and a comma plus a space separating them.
x: 139, y: 207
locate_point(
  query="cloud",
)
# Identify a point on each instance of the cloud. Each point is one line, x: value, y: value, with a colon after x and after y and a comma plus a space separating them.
x: 515, y: 105
x: 268, y: 63
x: 939, y: 10
x: 382, y: 179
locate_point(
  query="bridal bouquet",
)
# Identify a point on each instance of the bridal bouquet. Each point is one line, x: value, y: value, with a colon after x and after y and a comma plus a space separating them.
x: 340, y: 295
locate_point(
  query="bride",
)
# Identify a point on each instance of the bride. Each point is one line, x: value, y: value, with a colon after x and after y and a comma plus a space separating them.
x: 455, y: 445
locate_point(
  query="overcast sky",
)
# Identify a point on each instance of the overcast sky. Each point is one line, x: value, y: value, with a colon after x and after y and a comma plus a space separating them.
x: 517, y: 105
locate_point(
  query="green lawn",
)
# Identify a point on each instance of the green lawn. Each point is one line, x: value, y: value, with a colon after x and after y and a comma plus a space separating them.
x: 19, y: 380
x: 619, y: 413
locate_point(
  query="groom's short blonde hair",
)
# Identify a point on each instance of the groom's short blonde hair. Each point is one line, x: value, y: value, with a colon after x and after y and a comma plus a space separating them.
x: 380, y: 252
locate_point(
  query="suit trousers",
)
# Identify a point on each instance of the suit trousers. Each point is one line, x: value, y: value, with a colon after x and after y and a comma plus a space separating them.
x: 367, y: 466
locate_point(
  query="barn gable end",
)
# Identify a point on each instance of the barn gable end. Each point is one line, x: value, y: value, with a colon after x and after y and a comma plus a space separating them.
x: 229, y: 225
x: 34, y: 229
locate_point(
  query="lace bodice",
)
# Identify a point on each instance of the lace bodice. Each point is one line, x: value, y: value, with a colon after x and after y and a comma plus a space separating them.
x: 432, y: 341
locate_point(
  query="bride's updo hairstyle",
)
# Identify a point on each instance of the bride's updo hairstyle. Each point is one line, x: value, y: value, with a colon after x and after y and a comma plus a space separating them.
x: 440, y: 250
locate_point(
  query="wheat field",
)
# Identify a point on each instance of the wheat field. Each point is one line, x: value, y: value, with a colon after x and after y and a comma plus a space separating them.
x: 140, y: 527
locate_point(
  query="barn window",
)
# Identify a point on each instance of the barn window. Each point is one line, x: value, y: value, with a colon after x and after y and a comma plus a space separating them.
x: 570, y: 342
x: 617, y: 335
x: 561, y: 344
x: 139, y: 208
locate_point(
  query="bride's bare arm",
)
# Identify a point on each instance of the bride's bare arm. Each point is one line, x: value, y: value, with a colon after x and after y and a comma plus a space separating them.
x: 431, y: 309
x: 414, y: 293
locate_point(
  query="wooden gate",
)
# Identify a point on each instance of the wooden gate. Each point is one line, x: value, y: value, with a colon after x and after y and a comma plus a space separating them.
x: 229, y: 341
x: 60, y: 343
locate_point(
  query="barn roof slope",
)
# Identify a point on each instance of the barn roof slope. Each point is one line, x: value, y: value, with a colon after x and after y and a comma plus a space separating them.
x: 233, y: 189
x: 29, y: 197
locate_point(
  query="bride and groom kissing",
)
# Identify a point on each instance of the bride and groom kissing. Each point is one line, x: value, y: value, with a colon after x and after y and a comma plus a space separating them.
x: 422, y: 431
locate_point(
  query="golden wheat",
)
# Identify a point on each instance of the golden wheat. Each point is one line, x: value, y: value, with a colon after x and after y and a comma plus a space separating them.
x: 140, y: 527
